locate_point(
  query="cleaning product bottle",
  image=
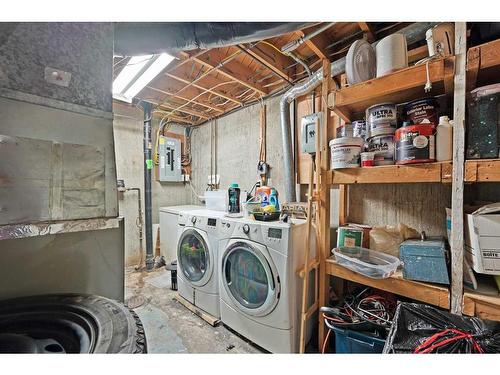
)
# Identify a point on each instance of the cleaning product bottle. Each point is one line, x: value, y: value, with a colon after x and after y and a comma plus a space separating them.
x: 234, y: 199
x: 273, y: 199
x: 264, y: 192
x: 444, y: 139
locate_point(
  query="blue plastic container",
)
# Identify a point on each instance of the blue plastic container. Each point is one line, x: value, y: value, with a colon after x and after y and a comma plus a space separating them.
x: 349, y: 342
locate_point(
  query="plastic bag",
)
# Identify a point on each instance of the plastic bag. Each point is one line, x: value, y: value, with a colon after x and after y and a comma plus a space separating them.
x: 419, y: 328
x: 387, y: 238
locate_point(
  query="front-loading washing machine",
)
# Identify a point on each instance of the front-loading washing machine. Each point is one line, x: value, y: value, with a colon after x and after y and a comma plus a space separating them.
x: 260, y: 290
x: 197, y: 255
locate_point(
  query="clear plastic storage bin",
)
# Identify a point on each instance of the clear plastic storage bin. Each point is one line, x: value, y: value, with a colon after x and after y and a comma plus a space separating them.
x: 216, y: 200
x: 369, y: 263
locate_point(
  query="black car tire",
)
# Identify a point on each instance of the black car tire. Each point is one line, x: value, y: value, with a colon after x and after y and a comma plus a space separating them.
x: 80, y: 323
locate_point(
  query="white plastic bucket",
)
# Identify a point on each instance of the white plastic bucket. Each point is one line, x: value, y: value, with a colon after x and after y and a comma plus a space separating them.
x: 392, y: 54
x: 345, y: 152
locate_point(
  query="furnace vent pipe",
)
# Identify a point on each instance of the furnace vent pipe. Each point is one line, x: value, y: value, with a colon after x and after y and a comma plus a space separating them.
x: 413, y: 34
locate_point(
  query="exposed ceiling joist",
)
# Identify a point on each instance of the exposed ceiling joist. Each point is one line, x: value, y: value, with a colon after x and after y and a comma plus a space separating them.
x: 368, y: 30
x: 198, y: 102
x: 186, y: 110
x: 208, y: 89
x: 233, y: 71
x: 317, y: 44
x: 270, y: 58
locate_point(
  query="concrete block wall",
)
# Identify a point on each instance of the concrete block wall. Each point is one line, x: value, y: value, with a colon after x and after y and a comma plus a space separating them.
x: 237, y: 138
x: 128, y: 133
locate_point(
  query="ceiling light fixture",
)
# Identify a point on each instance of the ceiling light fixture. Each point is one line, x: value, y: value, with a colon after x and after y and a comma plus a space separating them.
x: 139, y: 71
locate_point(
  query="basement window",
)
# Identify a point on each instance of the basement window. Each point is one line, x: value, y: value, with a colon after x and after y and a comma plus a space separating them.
x: 139, y: 71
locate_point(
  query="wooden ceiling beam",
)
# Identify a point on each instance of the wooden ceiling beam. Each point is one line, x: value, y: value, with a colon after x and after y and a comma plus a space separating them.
x: 318, y: 44
x: 232, y: 70
x: 185, y: 110
x: 173, y: 94
x: 207, y: 89
x: 368, y: 30
x: 270, y: 59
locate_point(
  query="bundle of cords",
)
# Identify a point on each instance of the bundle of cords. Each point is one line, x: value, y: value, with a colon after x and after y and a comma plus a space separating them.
x: 375, y: 308
x: 450, y: 341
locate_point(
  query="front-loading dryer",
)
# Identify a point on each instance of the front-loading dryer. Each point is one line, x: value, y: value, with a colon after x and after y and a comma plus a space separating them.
x: 260, y: 291
x: 197, y: 255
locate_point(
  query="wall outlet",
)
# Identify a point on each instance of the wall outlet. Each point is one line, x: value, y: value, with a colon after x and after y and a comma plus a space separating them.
x: 186, y: 177
x: 214, y: 179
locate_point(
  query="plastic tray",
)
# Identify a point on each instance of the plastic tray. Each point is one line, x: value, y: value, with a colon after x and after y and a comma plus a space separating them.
x: 369, y: 263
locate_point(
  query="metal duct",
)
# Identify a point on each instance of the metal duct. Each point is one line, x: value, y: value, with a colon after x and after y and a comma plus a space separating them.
x: 413, y: 34
x: 133, y: 38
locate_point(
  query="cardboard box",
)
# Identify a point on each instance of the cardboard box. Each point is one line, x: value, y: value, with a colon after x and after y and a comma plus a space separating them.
x: 482, y: 238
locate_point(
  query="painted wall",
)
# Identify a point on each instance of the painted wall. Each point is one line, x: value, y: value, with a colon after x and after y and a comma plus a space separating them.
x: 128, y: 133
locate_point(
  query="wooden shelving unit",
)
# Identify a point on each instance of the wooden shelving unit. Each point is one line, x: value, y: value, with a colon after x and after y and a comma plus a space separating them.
x: 482, y: 170
x: 393, y: 174
x: 483, y: 64
x: 429, y: 293
x: 481, y: 305
x: 483, y: 68
x: 350, y: 103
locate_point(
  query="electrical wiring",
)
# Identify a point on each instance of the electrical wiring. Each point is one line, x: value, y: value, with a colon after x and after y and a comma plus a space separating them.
x: 442, y: 340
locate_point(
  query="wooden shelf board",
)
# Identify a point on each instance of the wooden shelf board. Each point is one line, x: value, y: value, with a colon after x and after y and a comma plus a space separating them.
x: 483, y: 64
x: 481, y: 305
x: 429, y: 293
x: 393, y: 174
x: 402, y: 86
x: 482, y: 170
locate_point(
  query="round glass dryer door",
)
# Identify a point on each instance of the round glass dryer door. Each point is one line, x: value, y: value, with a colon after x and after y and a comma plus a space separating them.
x: 249, y: 279
x: 193, y: 256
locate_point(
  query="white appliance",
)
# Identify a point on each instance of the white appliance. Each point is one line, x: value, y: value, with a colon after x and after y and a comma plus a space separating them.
x: 197, y: 254
x: 260, y: 291
x: 169, y: 217
x: 441, y: 39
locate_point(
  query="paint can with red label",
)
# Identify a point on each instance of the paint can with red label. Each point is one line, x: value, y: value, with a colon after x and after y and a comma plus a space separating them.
x: 415, y: 144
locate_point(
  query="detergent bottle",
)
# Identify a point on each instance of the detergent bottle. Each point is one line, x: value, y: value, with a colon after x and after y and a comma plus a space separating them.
x: 273, y: 199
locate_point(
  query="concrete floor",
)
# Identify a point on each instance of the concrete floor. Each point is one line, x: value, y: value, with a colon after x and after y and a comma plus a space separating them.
x: 169, y: 326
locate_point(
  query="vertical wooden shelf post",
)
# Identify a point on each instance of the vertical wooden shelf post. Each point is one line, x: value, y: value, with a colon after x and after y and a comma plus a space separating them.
x: 457, y: 195
x: 324, y: 195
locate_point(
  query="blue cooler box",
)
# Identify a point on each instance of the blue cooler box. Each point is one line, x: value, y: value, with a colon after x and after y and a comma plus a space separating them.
x: 425, y: 260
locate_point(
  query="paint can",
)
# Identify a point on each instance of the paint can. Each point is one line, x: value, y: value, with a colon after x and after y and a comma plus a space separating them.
x: 345, y: 130
x: 422, y: 111
x: 367, y: 159
x: 359, y: 129
x: 345, y: 152
x: 381, y: 119
x: 415, y: 144
x: 383, y: 148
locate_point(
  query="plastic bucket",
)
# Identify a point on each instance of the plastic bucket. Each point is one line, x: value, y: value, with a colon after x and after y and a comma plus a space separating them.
x: 345, y: 152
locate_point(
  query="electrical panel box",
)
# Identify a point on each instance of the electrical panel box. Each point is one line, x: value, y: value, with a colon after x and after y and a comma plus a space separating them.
x: 169, y: 152
x: 308, y: 133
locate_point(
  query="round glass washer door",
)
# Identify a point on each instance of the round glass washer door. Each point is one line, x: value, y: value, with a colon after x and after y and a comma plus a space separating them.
x: 194, y: 257
x: 250, y: 279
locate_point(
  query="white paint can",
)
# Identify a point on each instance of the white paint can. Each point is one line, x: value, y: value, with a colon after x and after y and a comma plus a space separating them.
x: 384, y: 149
x: 381, y: 119
x: 345, y: 152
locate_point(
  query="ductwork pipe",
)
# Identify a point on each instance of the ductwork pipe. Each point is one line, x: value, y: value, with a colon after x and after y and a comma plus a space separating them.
x: 413, y: 33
